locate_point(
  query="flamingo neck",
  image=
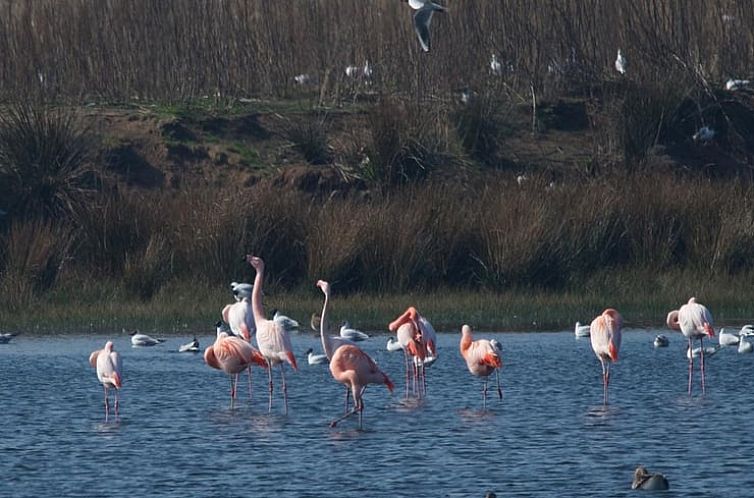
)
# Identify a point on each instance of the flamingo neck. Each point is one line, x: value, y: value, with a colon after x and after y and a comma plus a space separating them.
x: 326, y: 343
x: 466, y: 341
x: 256, y: 298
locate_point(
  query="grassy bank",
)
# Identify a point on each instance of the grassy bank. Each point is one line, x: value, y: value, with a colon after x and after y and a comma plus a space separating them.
x: 187, y: 308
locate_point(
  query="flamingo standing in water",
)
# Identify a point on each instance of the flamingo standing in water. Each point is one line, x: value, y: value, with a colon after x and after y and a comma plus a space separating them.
x: 330, y: 343
x: 240, y: 317
x: 482, y: 358
x: 272, y: 338
x: 108, y: 365
x: 605, y: 334
x: 694, y: 321
x: 232, y: 355
x: 409, y: 335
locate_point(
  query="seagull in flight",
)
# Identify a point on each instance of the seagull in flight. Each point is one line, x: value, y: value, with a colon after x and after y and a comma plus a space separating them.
x: 423, y: 16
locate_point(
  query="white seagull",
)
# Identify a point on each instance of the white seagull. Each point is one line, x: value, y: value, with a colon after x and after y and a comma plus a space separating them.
x: 142, y: 340
x: 727, y: 339
x: 661, y: 341
x: 744, y: 346
x: 347, y: 332
x: 422, y: 18
x: 581, y: 330
x: 704, y: 134
x: 367, y: 71
x: 708, y: 351
x: 316, y: 359
x: 286, y: 322
x: 352, y: 71
x: 495, y: 66
x: 621, y: 63
x: 6, y: 337
x: 393, y: 344
x: 241, y: 290
x: 733, y: 84
x: 190, y: 347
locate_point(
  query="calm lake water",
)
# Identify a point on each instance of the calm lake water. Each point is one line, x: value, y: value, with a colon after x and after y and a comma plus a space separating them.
x: 550, y: 436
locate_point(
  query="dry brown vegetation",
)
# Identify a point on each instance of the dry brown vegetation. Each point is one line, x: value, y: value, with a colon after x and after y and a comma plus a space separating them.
x: 437, y: 204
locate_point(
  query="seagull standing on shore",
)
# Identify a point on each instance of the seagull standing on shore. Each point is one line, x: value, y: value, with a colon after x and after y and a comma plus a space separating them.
x: 422, y: 18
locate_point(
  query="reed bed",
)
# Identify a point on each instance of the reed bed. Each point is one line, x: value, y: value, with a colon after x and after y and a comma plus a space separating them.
x: 120, y: 50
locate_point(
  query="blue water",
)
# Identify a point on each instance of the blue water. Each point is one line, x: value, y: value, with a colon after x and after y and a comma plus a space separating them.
x: 550, y: 436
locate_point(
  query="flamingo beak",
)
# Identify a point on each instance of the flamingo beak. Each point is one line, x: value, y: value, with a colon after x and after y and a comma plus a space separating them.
x: 709, y: 330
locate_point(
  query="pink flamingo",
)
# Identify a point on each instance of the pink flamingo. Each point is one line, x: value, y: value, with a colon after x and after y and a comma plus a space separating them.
x: 108, y: 365
x: 605, y: 334
x: 330, y: 343
x: 240, y: 318
x: 232, y: 355
x: 482, y: 358
x: 694, y: 321
x: 356, y: 370
x: 408, y: 331
x: 272, y: 338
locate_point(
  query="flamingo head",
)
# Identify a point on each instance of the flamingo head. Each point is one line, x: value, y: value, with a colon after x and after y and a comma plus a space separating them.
x: 709, y: 330
x: 325, y: 286
x: 256, y: 262
x: 614, y: 317
x: 672, y: 320
x: 108, y: 346
x: 410, y: 315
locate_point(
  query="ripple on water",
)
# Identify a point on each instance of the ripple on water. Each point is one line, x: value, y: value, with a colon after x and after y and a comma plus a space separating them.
x: 549, y: 436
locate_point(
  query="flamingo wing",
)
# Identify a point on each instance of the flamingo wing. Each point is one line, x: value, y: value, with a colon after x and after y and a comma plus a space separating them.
x: 93, y: 358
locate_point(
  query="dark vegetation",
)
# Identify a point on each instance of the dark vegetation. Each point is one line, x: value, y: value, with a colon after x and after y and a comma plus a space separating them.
x: 145, y: 143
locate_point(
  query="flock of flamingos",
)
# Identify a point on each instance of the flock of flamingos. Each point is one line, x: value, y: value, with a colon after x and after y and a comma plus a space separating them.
x: 233, y: 352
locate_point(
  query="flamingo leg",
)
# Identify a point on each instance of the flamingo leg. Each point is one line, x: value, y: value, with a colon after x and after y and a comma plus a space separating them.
x: 604, y: 382
x: 360, y: 403
x: 484, y: 395
x: 701, y: 341
x: 233, y: 384
x: 348, y: 393
x: 269, y: 376
x: 107, y: 403
x: 249, y: 382
x: 405, y: 358
x: 499, y: 390
x: 117, y: 402
x: 285, y: 389
x: 348, y: 413
x: 691, y: 363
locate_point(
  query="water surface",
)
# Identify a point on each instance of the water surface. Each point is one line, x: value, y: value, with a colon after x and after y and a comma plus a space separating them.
x: 550, y: 436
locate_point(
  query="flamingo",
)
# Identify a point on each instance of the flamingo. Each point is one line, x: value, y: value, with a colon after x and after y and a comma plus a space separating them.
x: 232, y: 355
x: 482, y: 358
x: 350, y: 333
x: 409, y: 336
x: 605, y: 334
x: 422, y: 18
x: 694, y: 321
x: 329, y: 343
x: 273, y: 340
x: 109, y: 366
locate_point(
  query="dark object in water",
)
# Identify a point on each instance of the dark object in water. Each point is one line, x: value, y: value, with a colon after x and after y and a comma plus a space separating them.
x: 643, y: 479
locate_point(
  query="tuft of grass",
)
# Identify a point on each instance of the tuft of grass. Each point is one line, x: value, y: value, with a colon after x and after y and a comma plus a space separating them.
x: 309, y: 137
x: 46, y: 171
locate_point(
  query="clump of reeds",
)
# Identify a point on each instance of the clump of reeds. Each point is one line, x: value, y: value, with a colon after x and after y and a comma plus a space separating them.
x: 45, y: 164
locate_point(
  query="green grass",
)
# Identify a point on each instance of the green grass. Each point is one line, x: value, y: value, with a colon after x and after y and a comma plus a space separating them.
x: 104, y: 307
